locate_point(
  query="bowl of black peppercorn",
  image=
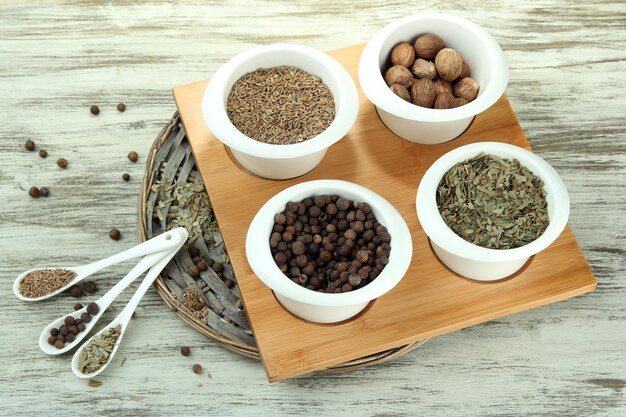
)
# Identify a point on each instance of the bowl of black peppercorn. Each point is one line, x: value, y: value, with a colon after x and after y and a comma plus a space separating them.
x: 327, y: 248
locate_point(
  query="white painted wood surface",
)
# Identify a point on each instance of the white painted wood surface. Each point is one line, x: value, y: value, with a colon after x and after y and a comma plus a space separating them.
x: 567, y: 87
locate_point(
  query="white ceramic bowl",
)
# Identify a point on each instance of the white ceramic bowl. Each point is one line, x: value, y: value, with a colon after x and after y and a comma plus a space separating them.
x: 280, y: 161
x: 479, y: 50
x: 312, y: 305
x: 473, y: 261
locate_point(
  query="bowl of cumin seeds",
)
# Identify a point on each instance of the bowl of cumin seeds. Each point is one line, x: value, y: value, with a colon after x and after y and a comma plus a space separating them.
x: 280, y: 107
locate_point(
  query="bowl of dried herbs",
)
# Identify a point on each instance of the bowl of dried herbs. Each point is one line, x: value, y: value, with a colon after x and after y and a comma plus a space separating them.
x: 280, y: 107
x: 488, y: 207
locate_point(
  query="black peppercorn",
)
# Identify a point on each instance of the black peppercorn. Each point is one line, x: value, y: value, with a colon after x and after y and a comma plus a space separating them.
x: 95, y: 110
x: 43, y: 153
x: 72, y: 330
x: 90, y: 287
x: 126, y: 177
x: 115, y: 234
x: 76, y: 291
x: 52, y: 340
x: 185, y: 350
x: 70, y: 337
x: 218, y: 267
x: 121, y: 107
x: 133, y: 156
x: 354, y: 280
x: 362, y: 256
x: 193, y: 271
x: 196, y: 368
x: 343, y: 204
x: 54, y: 332
x: 59, y: 344
x: 298, y: 248
x: 69, y: 321
x: 350, y: 234
x: 34, y: 192
x: 280, y: 218
x: 202, y: 266
x: 63, y: 330
x: 193, y: 251
x: 29, y: 145
x: 92, y: 308
x: 85, y: 317
x: 62, y: 163
x: 287, y: 237
x: 280, y: 258
x: 44, y: 192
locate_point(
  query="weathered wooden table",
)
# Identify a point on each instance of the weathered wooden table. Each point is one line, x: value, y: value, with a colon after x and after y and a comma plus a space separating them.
x: 567, y: 87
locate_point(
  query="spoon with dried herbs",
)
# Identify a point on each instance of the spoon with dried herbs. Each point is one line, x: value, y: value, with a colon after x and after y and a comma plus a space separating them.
x: 42, y: 283
x: 55, y: 337
x: 96, y: 354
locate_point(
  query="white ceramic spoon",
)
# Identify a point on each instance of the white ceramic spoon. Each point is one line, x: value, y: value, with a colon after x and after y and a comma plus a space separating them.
x: 160, y: 243
x: 177, y: 238
x: 124, y: 317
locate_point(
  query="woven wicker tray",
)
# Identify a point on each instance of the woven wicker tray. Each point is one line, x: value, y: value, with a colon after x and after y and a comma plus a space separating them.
x: 223, y: 321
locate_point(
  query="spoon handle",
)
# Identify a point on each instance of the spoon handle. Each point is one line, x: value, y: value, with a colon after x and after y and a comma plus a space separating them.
x: 160, y: 243
x: 150, y: 277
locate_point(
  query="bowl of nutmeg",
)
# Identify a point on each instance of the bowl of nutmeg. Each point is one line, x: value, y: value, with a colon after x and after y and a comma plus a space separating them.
x: 327, y: 248
x: 430, y: 74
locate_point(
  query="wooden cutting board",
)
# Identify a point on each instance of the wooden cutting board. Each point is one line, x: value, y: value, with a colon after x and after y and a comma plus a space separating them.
x: 430, y: 300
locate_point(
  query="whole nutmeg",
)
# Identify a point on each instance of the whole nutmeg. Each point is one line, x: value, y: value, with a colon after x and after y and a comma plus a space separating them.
x: 465, y: 72
x: 401, y: 92
x: 460, y: 101
x: 466, y: 88
x: 399, y: 75
x: 427, y: 46
x: 444, y: 100
x: 424, y: 69
x: 449, y: 64
x: 403, y: 54
x: 423, y: 93
x: 442, y: 86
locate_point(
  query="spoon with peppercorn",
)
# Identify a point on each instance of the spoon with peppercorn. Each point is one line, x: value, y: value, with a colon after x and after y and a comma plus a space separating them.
x: 43, y: 283
x: 97, y: 353
x: 66, y: 332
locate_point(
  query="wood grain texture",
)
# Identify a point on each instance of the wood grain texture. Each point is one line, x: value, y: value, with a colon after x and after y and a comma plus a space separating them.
x: 567, y: 63
x: 430, y: 300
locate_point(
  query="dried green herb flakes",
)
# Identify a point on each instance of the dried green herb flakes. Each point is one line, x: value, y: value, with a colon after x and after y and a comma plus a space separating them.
x: 98, y: 351
x: 493, y: 202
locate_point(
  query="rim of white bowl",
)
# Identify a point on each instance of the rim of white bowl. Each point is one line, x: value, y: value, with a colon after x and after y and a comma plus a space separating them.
x: 377, y: 91
x: 438, y: 231
x: 263, y: 265
x: 216, y: 118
